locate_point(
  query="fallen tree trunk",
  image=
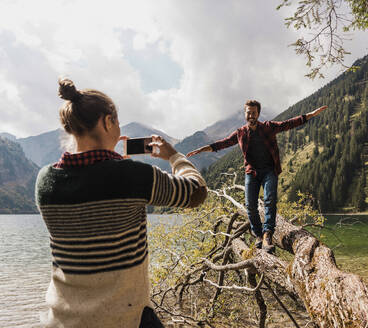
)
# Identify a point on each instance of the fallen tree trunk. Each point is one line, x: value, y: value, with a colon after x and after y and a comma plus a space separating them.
x: 269, y: 265
x: 331, y: 297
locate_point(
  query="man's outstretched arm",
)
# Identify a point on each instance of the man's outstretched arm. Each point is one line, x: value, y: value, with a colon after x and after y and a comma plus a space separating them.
x: 295, y: 121
x: 200, y: 150
x: 229, y: 141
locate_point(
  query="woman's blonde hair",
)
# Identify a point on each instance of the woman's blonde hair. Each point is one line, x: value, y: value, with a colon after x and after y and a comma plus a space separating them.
x: 83, y: 108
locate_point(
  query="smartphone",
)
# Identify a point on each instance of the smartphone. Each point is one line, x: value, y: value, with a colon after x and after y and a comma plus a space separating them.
x: 136, y: 146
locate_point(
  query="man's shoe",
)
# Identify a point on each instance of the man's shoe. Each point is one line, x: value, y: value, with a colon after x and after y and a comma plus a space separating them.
x: 267, y: 242
x: 258, y: 243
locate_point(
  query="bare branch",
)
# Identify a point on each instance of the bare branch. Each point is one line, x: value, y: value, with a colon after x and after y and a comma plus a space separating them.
x: 259, y: 299
x: 223, y: 193
x: 235, y: 287
x: 329, y: 24
x: 235, y: 266
x: 281, y: 304
x: 182, y: 318
x: 212, y: 233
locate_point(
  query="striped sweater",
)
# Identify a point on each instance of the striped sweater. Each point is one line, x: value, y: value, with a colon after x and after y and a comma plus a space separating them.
x: 96, y: 218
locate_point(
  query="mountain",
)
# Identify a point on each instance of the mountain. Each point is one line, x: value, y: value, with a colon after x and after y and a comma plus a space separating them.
x: 8, y: 136
x: 47, y: 147
x: 18, y: 157
x: 44, y: 148
x: 17, y: 179
x: 328, y: 156
x: 135, y: 130
x: 218, y: 130
x: 337, y: 170
x: 197, y: 140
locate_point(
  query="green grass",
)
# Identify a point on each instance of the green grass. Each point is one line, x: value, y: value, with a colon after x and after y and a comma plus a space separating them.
x: 347, y: 236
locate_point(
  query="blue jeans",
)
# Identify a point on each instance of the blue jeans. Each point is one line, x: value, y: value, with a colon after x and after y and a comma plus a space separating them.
x: 268, y: 180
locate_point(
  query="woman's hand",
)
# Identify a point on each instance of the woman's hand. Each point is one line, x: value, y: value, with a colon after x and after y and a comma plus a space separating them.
x: 124, y: 138
x: 161, y: 148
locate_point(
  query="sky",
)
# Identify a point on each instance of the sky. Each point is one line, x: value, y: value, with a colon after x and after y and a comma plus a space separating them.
x: 176, y: 65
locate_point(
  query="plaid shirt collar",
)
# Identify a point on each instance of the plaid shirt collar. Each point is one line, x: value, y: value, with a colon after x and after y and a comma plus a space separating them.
x: 86, y: 158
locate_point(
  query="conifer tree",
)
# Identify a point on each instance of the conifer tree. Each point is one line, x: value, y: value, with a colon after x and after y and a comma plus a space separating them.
x: 359, y: 194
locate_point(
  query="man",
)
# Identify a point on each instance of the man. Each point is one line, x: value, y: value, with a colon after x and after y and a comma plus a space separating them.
x: 257, y: 140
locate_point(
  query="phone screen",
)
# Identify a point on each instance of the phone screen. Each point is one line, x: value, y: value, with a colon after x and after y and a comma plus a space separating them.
x: 138, y: 146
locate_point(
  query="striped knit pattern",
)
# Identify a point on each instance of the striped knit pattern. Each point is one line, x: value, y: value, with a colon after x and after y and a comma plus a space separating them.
x: 94, y: 236
x: 171, y: 190
x: 94, y: 209
x: 97, y: 236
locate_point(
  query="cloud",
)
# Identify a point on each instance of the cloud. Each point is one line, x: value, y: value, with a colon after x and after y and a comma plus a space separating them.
x: 27, y: 87
x: 177, y: 65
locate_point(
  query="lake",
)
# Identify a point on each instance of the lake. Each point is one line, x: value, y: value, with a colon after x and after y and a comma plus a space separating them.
x: 26, y: 262
x: 347, y: 236
x: 25, y: 268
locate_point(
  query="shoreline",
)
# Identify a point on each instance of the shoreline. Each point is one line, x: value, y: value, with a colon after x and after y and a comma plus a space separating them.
x: 345, y: 214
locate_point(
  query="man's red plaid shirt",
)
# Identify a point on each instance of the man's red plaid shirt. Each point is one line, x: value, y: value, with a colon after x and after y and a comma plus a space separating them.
x: 267, y: 130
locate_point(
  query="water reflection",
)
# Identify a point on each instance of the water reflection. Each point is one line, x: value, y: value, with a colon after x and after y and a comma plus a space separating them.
x: 26, y: 265
x: 24, y: 270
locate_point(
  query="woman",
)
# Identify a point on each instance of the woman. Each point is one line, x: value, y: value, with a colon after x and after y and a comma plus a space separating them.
x: 93, y: 203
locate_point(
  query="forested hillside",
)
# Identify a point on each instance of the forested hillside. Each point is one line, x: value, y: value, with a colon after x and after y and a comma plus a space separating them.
x: 17, y: 179
x: 328, y: 156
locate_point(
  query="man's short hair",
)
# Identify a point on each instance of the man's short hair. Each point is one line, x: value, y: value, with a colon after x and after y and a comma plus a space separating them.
x: 252, y: 103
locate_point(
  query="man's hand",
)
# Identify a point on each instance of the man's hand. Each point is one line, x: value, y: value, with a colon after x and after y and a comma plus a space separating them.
x: 199, y: 150
x: 164, y: 149
x: 315, y: 112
